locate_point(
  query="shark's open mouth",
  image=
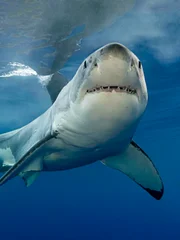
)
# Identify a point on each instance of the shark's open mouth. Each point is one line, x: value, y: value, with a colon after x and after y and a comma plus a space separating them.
x: 112, y: 88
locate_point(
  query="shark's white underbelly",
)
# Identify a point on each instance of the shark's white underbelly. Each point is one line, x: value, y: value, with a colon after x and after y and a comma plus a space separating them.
x: 88, y: 133
x: 57, y: 155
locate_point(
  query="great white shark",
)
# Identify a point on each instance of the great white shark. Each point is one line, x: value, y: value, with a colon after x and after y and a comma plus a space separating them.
x: 92, y: 118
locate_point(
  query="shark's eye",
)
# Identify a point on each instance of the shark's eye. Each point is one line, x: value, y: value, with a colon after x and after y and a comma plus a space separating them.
x: 140, y: 65
x: 85, y: 64
x: 132, y: 63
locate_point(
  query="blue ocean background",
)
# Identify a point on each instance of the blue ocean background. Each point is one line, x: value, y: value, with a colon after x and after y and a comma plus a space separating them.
x: 92, y: 202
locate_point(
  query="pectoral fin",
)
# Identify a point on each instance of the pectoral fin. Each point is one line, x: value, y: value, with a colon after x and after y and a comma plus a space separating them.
x: 26, y: 164
x: 135, y: 163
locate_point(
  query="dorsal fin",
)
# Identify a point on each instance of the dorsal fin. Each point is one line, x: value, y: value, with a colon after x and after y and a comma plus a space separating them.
x: 55, y: 85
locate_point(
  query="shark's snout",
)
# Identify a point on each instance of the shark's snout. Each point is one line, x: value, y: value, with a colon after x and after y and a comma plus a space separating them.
x: 113, y: 64
x: 116, y: 50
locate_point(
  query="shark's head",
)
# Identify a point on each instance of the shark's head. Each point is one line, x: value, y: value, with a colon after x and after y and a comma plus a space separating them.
x: 109, y: 87
x: 113, y: 66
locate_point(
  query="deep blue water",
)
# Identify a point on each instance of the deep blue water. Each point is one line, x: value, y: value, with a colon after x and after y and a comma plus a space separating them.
x: 96, y: 202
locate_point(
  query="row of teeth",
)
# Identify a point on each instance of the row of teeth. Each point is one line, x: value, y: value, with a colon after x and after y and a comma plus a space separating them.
x: 110, y: 88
